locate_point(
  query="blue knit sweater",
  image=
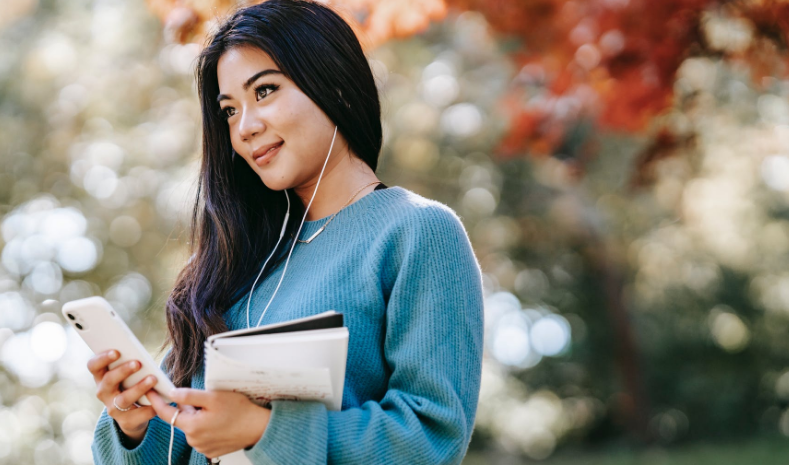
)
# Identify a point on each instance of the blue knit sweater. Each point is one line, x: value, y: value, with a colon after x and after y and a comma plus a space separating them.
x: 401, y: 269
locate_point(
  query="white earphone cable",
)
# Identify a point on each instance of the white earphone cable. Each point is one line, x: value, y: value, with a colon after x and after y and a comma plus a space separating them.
x: 282, y: 233
x: 295, y: 240
x: 172, y: 436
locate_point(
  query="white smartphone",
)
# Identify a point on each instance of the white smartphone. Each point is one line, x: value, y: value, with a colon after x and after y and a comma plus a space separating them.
x: 102, y: 329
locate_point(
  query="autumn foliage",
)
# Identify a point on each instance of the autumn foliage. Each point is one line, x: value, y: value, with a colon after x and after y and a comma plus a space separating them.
x: 609, y: 61
x: 617, y: 59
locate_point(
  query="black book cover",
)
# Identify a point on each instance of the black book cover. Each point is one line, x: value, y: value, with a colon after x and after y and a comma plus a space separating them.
x: 334, y: 320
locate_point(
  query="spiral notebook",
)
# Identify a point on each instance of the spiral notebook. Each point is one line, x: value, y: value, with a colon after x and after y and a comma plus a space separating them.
x: 300, y: 360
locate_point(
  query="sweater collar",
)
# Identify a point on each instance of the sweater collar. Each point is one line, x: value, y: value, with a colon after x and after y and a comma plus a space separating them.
x: 357, y: 208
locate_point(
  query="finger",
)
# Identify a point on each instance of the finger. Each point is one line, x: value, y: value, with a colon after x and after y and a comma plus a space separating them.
x: 98, y: 364
x: 183, y: 407
x: 195, y: 397
x: 161, y: 407
x: 165, y: 411
x: 138, y: 415
x: 110, y: 383
x: 131, y: 395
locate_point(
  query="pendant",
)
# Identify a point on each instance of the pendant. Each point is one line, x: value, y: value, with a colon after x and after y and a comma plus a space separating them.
x: 314, y: 235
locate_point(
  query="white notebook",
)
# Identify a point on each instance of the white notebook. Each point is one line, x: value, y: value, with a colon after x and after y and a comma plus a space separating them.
x: 301, y: 359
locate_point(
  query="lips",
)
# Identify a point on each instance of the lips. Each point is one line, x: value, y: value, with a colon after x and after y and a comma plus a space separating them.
x: 265, y: 149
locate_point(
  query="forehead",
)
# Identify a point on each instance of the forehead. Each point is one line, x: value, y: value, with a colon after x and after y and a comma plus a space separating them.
x: 238, y: 64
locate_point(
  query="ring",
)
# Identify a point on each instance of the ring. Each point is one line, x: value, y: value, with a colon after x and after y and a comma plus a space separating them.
x: 172, y: 422
x: 121, y: 409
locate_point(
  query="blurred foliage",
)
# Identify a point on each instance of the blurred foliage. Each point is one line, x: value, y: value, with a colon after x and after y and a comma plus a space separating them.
x: 611, y: 61
x: 636, y: 283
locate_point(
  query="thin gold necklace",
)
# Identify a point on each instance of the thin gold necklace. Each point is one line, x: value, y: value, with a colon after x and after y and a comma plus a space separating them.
x: 338, y: 211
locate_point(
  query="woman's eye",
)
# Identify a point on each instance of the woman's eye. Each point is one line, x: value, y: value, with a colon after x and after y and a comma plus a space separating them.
x: 264, y: 90
x: 260, y: 93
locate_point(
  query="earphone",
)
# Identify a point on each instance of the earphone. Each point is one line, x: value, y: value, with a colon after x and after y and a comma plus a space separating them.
x: 282, y: 233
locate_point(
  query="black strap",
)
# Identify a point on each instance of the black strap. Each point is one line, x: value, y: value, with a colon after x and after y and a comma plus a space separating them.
x: 380, y: 186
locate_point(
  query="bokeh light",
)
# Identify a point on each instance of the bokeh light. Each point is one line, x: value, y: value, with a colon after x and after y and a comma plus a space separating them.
x: 550, y: 335
x: 48, y: 341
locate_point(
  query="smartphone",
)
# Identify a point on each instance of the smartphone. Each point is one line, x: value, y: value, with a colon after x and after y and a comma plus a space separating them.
x: 102, y: 329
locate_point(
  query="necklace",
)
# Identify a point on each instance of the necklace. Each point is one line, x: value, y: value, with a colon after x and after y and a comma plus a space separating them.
x: 338, y: 211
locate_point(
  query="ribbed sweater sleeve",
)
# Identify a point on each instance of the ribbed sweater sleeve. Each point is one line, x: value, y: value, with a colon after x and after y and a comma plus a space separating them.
x: 109, y: 449
x: 433, y: 349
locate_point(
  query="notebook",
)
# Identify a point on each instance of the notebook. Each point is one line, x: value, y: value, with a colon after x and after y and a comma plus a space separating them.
x: 299, y: 360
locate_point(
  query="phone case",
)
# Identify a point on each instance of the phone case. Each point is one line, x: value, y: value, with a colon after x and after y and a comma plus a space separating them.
x: 94, y: 319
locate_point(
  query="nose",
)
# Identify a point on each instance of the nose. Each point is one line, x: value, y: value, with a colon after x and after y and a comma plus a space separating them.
x: 249, y: 126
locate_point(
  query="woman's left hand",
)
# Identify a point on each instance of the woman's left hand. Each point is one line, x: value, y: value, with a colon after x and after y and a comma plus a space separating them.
x: 223, y: 421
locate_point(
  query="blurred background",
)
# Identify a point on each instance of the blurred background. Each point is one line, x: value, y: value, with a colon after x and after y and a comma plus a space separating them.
x: 621, y: 166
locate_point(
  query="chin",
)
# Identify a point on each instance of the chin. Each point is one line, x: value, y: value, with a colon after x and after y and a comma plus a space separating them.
x: 275, y: 183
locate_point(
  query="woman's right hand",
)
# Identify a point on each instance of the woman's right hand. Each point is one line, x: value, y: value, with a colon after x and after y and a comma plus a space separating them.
x: 134, y: 422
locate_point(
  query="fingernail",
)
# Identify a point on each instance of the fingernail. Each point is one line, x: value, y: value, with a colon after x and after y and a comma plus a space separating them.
x: 135, y: 364
x: 151, y: 379
x: 113, y: 354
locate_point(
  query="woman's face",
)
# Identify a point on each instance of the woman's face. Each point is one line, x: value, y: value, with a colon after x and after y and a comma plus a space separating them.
x: 264, y: 108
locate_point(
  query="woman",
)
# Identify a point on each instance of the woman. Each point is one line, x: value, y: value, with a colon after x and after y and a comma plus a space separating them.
x: 290, y: 76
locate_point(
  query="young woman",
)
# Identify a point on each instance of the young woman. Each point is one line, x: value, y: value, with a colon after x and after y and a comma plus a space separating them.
x: 291, y: 123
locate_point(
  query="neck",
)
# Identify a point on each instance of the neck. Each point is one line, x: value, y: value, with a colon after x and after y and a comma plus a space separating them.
x: 343, y: 176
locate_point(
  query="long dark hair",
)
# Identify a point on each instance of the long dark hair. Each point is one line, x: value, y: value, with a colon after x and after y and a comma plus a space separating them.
x: 236, y: 219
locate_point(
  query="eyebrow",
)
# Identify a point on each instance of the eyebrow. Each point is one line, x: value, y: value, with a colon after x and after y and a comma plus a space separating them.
x: 249, y: 82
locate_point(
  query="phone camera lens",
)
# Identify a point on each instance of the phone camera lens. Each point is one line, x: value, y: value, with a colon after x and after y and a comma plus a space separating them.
x: 70, y: 316
x: 79, y: 326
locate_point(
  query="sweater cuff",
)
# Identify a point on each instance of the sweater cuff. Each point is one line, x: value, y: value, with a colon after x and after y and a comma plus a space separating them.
x: 108, y: 443
x: 297, y: 432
